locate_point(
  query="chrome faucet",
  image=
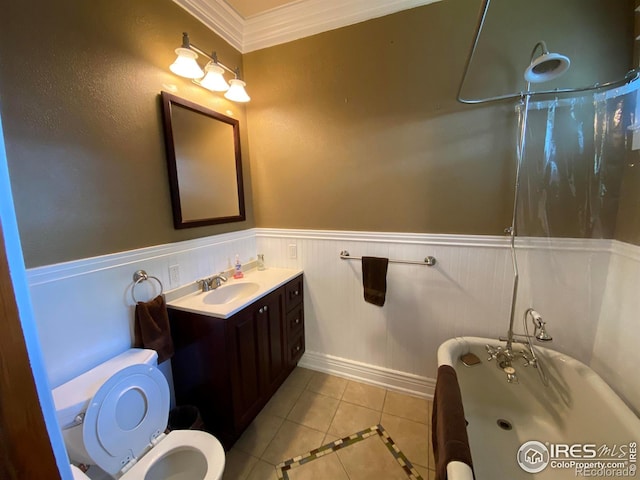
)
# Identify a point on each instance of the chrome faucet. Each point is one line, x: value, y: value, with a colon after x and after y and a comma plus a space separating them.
x: 505, y: 356
x: 211, y: 283
x: 217, y: 280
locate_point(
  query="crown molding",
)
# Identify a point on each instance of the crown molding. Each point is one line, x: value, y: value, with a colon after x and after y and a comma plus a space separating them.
x: 218, y: 16
x: 289, y: 22
x: 309, y: 17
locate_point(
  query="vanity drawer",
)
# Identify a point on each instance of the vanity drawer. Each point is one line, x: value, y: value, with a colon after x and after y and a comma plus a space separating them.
x: 293, y: 293
x: 295, y: 321
x: 296, y: 349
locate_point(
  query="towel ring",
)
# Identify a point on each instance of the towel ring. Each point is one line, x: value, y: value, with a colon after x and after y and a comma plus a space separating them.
x: 139, y: 277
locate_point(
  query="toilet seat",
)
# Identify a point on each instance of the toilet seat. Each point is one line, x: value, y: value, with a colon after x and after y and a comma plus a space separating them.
x: 180, y: 442
x: 126, y: 417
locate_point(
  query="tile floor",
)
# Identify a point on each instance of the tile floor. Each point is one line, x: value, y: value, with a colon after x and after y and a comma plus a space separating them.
x: 312, y: 409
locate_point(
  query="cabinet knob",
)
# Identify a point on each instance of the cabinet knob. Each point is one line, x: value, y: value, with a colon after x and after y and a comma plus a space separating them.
x: 298, y: 348
x: 297, y: 321
x: 296, y: 293
x: 261, y: 310
x: 266, y: 308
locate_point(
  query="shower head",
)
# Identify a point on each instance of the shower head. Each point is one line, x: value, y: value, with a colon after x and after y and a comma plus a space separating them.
x: 547, y: 66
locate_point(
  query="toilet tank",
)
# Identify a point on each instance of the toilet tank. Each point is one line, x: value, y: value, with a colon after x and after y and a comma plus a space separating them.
x: 72, y: 398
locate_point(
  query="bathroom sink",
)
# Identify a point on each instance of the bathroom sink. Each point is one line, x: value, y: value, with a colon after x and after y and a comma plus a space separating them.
x: 232, y: 296
x: 229, y: 293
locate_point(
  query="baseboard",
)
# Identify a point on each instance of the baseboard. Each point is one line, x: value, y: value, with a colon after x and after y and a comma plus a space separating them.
x: 371, y: 374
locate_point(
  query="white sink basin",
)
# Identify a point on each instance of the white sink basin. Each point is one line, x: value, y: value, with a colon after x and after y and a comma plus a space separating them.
x: 232, y: 296
x: 230, y: 293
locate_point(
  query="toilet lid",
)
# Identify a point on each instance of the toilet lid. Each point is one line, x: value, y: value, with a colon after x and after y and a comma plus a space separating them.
x: 128, y: 411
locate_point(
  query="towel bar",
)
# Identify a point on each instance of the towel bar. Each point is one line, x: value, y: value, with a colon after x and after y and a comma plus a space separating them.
x: 140, y: 276
x: 428, y: 261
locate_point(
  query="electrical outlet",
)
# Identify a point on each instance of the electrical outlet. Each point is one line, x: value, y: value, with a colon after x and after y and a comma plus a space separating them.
x: 174, y: 275
x: 293, y: 250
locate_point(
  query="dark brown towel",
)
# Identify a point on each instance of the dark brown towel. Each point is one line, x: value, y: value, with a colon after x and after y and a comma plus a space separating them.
x: 449, y: 427
x: 374, y: 279
x: 152, y: 328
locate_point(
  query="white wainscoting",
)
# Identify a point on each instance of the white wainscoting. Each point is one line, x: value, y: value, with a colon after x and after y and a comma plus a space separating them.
x: 585, y: 289
x: 468, y: 292
x: 616, y: 352
x: 564, y: 280
x: 84, y: 309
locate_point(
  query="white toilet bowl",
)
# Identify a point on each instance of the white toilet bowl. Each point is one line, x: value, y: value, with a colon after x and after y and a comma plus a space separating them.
x: 182, y: 455
x: 78, y: 474
x: 115, y: 415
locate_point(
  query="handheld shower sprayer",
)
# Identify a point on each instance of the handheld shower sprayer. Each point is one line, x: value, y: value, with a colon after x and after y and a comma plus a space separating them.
x: 540, y: 331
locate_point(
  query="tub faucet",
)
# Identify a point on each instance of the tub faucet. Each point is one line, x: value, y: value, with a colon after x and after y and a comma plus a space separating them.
x: 511, y: 374
x: 505, y: 356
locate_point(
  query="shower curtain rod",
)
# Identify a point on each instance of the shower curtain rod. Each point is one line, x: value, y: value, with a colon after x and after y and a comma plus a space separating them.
x: 631, y: 76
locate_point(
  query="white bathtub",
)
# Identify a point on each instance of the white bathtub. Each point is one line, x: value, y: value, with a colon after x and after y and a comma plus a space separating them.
x: 575, y: 418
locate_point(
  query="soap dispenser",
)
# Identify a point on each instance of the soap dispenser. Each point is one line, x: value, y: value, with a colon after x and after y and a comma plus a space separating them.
x: 238, y: 272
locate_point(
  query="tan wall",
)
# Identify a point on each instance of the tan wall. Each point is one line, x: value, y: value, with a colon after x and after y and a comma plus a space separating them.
x: 79, y: 93
x: 359, y: 129
x: 354, y: 129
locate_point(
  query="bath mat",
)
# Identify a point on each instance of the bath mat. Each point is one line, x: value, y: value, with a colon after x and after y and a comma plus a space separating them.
x: 287, y: 466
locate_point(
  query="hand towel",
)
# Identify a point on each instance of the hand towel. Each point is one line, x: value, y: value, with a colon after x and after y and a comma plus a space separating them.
x: 374, y: 279
x: 449, y: 427
x: 152, y: 328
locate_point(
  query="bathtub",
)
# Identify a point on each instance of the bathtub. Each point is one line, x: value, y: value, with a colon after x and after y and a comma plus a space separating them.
x: 576, y: 427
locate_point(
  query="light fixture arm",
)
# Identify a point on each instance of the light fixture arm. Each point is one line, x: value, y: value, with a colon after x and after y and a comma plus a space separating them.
x: 185, y: 40
x: 213, y: 56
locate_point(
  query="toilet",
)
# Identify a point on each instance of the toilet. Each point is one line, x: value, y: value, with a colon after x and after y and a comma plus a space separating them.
x: 114, y: 416
x: 78, y: 474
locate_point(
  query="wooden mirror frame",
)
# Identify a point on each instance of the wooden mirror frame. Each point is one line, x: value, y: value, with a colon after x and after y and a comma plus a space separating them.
x: 168, y: 100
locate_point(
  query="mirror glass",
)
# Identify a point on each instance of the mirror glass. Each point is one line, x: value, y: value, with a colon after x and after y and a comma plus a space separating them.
x: 205, y: 169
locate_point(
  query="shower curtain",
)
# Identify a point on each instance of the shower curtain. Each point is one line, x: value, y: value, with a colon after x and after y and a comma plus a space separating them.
x: 576, y: 155
x: 573, y: 164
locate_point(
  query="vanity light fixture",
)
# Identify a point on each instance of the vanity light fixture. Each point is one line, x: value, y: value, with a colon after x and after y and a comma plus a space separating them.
x: 186, y: 65
x: 212, y: 77
x: 236, y: 91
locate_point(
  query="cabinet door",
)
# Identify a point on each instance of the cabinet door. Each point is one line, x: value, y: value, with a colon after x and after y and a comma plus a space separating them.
x: 273, y: 353
x: 244, y: 339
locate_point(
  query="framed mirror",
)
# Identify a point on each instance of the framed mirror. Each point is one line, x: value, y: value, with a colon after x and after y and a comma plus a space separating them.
x: 204, y: 162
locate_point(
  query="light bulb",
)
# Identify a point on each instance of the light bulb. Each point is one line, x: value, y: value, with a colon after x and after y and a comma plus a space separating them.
x: 214, y: 79
x: 236, y: 91
x: 186, y: 65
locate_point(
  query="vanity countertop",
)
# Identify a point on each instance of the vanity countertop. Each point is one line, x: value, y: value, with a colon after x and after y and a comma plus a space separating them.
x: 233, y: 295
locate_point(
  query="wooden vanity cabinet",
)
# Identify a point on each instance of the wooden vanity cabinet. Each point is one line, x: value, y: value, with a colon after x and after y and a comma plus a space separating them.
x: 256, y: 354
x: 230, y: 368
x: 294, y: 320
